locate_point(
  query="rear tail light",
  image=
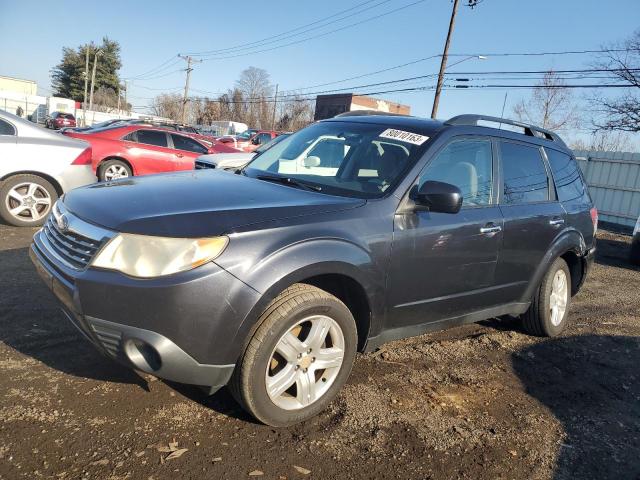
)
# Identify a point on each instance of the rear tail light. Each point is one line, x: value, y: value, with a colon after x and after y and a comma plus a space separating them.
x: 84, y: 158
x: 594, y: 218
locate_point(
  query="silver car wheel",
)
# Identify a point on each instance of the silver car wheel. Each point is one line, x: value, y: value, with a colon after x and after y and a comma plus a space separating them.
x: 114, y: 172
x: 559, y: 297
x: 28, y: 201
x: 305, y: 362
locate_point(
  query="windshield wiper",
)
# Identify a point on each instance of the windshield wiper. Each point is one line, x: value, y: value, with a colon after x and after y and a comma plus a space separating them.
x: 289, y: 181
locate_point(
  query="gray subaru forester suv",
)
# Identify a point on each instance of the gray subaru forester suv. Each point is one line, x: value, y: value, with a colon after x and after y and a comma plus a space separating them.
x: 348, y: 234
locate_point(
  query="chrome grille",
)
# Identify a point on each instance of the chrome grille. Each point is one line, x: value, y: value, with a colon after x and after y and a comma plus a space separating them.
x: 75, y: 249
x: 69, y: 240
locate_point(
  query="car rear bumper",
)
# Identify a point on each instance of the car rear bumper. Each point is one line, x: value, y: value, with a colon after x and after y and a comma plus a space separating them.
x: 75, y: 176
x: 179, y: 328
x: 587, y: 264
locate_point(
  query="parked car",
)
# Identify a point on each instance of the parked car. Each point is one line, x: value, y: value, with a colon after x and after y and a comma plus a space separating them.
x: 106, y: 123
x: 234, y: 161
x: 59, y: 120
x: 129, y: 150
x: 271, y: 281
x: 635, y: 244
x: 36, y: 167
x: 250, y: 140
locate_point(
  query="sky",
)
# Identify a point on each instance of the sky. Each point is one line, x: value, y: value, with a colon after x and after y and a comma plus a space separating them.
x: 151, y: 33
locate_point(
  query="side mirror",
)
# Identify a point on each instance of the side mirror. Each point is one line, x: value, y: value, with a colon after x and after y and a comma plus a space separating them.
x: 256, y: 141
x: 438, y: 197
x: 311, y: 162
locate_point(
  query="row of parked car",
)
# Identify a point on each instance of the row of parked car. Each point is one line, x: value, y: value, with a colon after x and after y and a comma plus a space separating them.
x: 53, y: 163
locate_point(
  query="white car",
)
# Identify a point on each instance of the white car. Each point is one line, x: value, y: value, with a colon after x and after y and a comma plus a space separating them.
x: 36, y: 167
x: 234, y: 161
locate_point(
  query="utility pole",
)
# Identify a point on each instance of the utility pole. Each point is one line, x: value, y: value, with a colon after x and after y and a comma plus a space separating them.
x: 86, y: 85
x: 93, y: 78
x: 443, y: 63
x: 275, y: 104
x: 126, y: 90
x: 118, y: 98
x: 189, y: 61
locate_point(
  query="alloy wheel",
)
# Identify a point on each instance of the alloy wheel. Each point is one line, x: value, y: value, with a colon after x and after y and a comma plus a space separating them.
x: 559, y: 297
x: 114, y: 172
x: 28, y: 201
x: 305, y: 362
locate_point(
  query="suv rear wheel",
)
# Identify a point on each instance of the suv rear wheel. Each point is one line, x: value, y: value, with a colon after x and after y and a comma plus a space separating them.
x: 298, y: 358
x: 26, y: 200
x: 549, y: 310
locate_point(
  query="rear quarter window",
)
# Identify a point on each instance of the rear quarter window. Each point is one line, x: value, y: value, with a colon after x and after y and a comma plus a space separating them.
x: 566, y: 175
x: 524, y: 174
x: 6, y: 128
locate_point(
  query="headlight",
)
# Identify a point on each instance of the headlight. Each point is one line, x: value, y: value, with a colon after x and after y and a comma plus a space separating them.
x: 146, y: 257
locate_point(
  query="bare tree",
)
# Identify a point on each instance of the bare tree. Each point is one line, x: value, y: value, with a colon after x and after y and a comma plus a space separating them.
x: 168, y: 105
x: 621, y: 113
x: 605, y: 141
x: 255, y: 87
x: 295, y: 113
x: 551, y: 105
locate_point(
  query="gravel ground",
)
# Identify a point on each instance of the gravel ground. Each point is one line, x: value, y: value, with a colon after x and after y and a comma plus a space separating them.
x: 482, y: 401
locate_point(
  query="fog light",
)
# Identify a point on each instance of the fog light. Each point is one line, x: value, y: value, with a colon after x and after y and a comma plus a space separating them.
x: 142, y: 355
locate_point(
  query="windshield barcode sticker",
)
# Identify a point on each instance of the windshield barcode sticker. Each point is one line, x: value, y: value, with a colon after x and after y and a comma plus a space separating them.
x: 403, y: 136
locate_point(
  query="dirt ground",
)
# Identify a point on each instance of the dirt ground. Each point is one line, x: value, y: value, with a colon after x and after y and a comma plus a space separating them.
x: 481, y: 401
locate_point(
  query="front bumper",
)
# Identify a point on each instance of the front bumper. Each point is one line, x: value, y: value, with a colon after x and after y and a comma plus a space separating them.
x: 178, y: 327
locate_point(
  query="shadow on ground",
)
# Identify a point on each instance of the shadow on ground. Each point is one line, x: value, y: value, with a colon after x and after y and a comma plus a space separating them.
x: 614, y: 253
x: 592, y: 385
x: 31, y: 323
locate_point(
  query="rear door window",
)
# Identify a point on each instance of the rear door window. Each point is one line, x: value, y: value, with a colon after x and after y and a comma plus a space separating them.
x: 152, y: 137
x: 566, y: 175
x: 524, y: 174
x: 185, y: 143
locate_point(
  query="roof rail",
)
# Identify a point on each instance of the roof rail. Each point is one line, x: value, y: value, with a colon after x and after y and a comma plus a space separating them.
x: 362, y: 113
x: 530, y: 130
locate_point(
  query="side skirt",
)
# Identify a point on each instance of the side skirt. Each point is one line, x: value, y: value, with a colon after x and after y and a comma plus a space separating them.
x: 415, y: 330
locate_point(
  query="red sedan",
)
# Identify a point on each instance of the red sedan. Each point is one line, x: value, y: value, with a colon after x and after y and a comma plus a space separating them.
x: 124, y: 151
x: 58, y: 120
x: 250, y: 140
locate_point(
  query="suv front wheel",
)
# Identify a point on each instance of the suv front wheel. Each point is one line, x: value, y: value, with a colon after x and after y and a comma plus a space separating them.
x: 298, y: 358
x: 549, y: 310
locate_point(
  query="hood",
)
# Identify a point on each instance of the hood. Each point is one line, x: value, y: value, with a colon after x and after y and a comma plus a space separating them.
x: 199, y: 203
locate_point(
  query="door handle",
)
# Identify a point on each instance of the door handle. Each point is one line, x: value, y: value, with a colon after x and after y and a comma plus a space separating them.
x: 179, y: 155
x: 556, y: 222
x: 490, y: 228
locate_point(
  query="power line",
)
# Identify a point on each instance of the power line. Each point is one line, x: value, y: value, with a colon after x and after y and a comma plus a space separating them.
x: 316, y: 36
x: 155, y: 70
x: 503, y: 54
x: 287, y: 34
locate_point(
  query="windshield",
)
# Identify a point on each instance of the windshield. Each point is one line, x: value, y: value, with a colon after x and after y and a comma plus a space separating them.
x: 266, y: 146
x: 246, y: 135
x: 342, y: 158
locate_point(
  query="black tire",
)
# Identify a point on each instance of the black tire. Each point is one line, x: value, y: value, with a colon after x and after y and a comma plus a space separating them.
x: 248, y: 383
x: 106, y: 165
x: 537, y: 320
x: 634, y: 254
x: 7, y: 202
